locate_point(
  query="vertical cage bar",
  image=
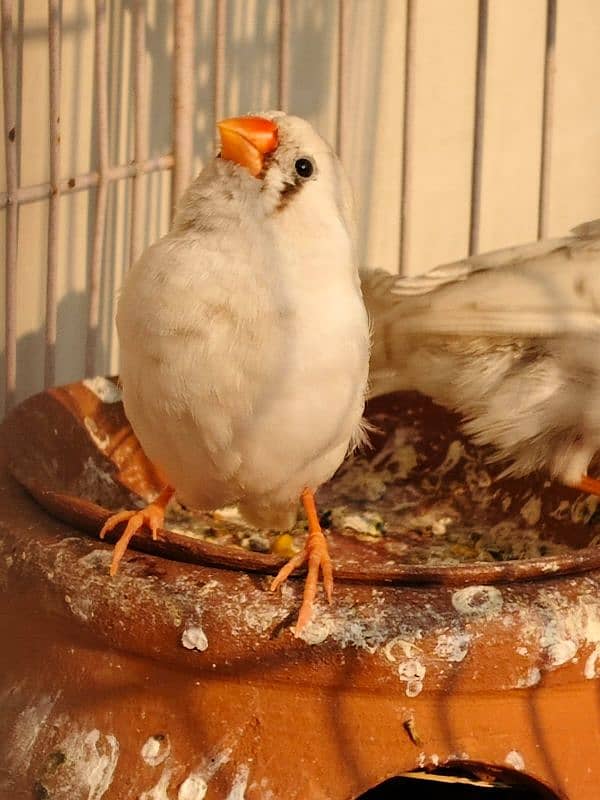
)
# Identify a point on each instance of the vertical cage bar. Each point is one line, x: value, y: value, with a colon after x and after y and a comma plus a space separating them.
x: 407, y: 130
x: 183, y: 97
x: 219, y: 60
x: 547, y: 119
x: 136, y: 241
x: 54, y: 45
x: 342, y: 68
x: 477, y: 162
x: 283, y: 91
x: 101, y: 82
x: 9, y: 83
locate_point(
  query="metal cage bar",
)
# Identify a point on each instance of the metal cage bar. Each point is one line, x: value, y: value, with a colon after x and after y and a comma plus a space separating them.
x: 41, y: 191
x: 342, y: 67
x: 12, y: 210
x: 183, y: 97
x: 407, y: 129
x: 54, y: 44
x: 283, y: 77
x: 478, y: 127
x: 547, y: 119
x: 101, y: 81
x: 219, y: 61
x: 136, y: 237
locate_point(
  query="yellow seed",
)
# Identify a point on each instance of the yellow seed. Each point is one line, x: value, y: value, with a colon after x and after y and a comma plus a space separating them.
x: 284, y: 545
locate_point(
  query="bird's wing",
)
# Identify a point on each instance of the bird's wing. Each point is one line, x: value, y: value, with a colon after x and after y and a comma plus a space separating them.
x: 542, y: 289
x: 536, y: 289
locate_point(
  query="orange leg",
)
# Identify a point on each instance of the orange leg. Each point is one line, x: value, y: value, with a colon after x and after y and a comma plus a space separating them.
x: 589, y: 485
x: 316, y: 553
x: 152, y: 517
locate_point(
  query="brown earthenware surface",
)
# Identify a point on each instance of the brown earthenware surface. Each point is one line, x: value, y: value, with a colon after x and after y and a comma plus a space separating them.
x: 198, y: 662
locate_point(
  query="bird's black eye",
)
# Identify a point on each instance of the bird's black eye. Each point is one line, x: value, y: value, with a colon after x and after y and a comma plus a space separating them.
x: 304, y: 167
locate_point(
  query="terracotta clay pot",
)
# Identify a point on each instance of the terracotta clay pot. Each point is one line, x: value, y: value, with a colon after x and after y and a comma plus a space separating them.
x: 180, y: 677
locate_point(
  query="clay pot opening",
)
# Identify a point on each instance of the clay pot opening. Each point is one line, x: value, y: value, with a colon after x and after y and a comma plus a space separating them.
x: 458, y: 782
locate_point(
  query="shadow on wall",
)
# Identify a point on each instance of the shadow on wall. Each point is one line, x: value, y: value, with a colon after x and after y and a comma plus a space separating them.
x: 70, y: 350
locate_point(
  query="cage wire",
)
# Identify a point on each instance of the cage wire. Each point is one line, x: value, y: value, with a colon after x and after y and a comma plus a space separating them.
x: 179, y: 158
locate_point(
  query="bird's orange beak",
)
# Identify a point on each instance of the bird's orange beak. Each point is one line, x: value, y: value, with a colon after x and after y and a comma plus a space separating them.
x: 246, y: 140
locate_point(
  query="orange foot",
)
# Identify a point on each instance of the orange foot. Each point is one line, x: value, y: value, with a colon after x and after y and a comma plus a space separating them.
x: 316, y: 553
x: 589, y: 485
x: 152, y: 517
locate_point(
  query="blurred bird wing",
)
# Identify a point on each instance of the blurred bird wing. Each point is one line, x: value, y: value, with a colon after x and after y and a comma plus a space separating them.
x: 539, y: 289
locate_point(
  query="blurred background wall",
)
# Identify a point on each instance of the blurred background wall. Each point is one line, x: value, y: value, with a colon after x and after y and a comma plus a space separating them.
x: 440, y: 156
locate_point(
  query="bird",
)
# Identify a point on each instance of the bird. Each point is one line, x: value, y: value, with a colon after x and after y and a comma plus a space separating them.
x: 511, y: 341
x: 244, y: 339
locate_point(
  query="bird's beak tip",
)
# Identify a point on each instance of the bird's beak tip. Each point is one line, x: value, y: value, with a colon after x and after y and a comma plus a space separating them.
x: 246, y: 141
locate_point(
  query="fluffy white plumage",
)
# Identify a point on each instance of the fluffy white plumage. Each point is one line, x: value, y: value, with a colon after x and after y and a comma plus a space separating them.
x: 510, y: 339
x: 244, y: 337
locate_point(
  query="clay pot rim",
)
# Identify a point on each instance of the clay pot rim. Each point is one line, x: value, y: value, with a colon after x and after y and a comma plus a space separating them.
x: 89, y: 518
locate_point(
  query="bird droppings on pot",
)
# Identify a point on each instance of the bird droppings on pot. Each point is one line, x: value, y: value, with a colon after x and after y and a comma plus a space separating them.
x: 478, y: 600
x: 589, y: 670
x: 412, y: 673
x: 426, y: 760
x: 194, y: 787
x: 102, y: 441
x: 105, y: 390
x: 160, y: 789
x: 584, y: 508
x: 453, y: 646
x: 532, y: 678
x: 194, y: 638
x: 156, y: 749
x: 240, y: 782
x: 560, y: 652
x: 27, y: 728
x: 84, y: 763
x: 532, y: 510
x: 515, y: 760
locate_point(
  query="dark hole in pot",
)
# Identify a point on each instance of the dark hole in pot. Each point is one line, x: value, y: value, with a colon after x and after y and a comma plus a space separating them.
x: 459, y: 782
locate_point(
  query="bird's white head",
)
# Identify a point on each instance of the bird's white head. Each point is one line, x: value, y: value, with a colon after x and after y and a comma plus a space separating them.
x: 276, y: 166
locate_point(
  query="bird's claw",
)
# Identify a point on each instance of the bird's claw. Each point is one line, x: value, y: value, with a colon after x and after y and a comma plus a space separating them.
x: 317, y: 554
x: 151, y: 517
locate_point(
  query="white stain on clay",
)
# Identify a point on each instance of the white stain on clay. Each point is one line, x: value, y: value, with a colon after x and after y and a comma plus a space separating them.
x: 240, y: 782
x: 348, y: 626
x: 478, y: 601
x: 560, y: 652
x: 453, y: 646
x: 90, y: 761
x: 105, y: 390
x: 194, y: 638
x: 589, y: 670
x: 156, y: 749
x: 194, y: 787
x: 532, y: 678
x: 160, y: 790
x: 411, y: 669
x: 27, y: 728
x: 561, y: 626
x: 412, y: 672
x: 515, y: 760
x: 101, y: 440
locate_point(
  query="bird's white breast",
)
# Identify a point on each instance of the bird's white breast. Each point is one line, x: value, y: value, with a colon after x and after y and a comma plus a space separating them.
x: 243, y: 376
